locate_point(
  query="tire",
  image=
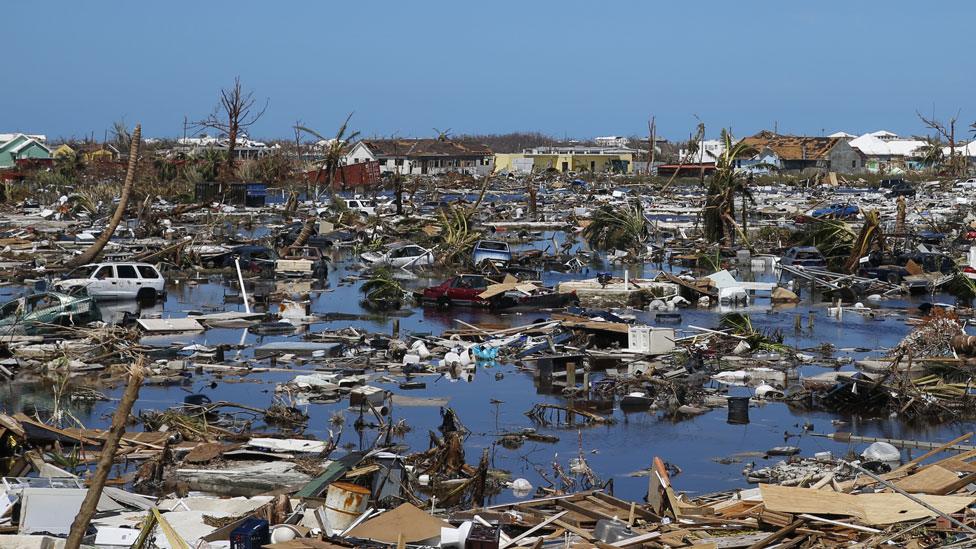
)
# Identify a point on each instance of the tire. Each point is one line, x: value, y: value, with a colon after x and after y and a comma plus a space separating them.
x: 146, y: 295
x: 443, y: 302
x: 893, y: 278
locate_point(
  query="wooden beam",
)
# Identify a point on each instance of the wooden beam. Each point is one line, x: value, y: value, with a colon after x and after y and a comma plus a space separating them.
x: 934, y: 451
x: 534, y: 529
x: 777, y: 535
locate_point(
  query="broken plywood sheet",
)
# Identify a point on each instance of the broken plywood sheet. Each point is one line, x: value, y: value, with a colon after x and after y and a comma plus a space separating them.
x: 930, y: 480
x: 870, y: 509
x: 414, y: 524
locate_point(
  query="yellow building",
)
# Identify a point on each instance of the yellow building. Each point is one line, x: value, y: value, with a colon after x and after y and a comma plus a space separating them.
x: 567, y: 159
x: 63, y: 150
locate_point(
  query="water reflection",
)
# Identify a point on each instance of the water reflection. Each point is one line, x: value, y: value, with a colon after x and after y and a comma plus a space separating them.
x: 493, y: 397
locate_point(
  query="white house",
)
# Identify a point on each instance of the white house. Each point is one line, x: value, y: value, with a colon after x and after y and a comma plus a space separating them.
x: 886, y: 152
x: 422, y: 156
x: 708, y: 151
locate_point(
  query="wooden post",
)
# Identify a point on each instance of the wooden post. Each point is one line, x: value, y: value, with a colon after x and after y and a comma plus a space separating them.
x: 570, y: 374
x: 396, y: 328
x: 106, y: 457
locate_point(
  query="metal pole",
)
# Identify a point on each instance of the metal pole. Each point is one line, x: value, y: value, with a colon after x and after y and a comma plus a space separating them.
x: 847, y: 437
x: 240, y: 280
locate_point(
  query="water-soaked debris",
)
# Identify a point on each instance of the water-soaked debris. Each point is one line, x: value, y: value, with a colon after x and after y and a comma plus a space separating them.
x: 299, y: 367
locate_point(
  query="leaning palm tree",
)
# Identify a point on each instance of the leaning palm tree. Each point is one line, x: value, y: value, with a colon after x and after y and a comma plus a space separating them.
x: 833, y: 237
x: 92, y: 252
x: 623, y: 228
x: 869, y: 235
x: 727, y: 181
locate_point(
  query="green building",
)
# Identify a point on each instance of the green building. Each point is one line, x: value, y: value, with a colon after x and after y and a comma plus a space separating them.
x: 17, y: 146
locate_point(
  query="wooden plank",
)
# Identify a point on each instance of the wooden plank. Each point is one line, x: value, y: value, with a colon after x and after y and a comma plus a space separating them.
x: 777, y: 535
x: 928, y: 480
x: 534, y: 529
x: 584, y: 511
x: 873, y: 509
x: 639, y: 510
x: 585, y: 534
x: 636, y: 539
x: 934, y: 451
x: 734, y: 542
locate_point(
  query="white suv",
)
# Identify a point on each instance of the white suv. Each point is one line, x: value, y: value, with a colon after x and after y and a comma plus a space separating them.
x: 115, y: 281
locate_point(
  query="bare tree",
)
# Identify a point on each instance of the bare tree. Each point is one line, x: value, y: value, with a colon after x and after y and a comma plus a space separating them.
x: 120, y: 136
x: 233, y: 115
x: 946, y: 131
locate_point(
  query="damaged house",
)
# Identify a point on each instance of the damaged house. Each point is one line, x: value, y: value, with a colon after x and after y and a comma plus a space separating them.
x: 799, y: 153
x: 423, y: 156
x: 576, y: 158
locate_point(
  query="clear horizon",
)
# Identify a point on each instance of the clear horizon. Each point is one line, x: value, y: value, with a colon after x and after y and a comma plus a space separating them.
x: 567, y: 69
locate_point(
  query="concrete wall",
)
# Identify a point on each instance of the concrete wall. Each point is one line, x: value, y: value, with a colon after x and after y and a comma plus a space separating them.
x: 845, y: 159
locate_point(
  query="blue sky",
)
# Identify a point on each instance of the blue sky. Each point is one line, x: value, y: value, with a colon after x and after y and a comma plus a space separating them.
x: 564, y: 68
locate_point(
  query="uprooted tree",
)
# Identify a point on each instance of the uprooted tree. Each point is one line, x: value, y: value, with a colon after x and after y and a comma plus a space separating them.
x: 92, y: 252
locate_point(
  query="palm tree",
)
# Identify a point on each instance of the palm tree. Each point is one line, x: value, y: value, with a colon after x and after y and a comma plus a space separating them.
x: 620, y: 228
x: 334, y: 151
x: 727, y: 181
x: 456, y: 236
x: 92, y: 252
x: 382, y: 291
x: 870, y: 234
x: 209, y: 163
x: 930, y: 154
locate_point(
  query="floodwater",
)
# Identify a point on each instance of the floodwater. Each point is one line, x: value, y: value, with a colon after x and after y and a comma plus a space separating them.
x: 489, y: 403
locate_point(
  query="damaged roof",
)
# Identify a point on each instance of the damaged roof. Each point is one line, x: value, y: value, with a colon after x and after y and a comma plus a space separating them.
x: 792, y: 147
x: 425, y: 147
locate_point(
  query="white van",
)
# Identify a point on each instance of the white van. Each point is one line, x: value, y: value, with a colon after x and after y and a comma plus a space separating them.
x: 115, y: 281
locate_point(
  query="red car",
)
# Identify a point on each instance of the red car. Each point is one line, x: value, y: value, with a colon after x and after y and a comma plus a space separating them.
x: 466, y: 290
x: 459, y: 290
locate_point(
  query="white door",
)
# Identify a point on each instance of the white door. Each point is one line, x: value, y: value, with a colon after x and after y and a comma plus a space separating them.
x: 128, y: 280
x: 104, y: 283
